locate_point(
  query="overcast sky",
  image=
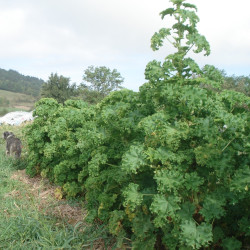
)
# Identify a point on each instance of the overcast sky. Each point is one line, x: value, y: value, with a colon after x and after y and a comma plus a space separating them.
x: 40, y: 37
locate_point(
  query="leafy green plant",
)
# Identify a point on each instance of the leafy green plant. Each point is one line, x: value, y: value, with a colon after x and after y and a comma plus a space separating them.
x: 165, y: 167
x: 184, y: 36
x: 26, y: 224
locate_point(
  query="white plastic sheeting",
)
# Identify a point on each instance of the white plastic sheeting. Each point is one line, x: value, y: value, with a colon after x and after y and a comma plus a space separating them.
x: 16, y: 118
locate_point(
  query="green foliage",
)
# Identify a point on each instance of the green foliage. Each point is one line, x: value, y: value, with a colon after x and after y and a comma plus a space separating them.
x: 237, y: 83
x: 217, y: 80
x: 54, y: 138
x: 13, y: 81
x: 177, y: 173
x: 133, y: 198
x: 25, y: 222
x: 184, y: 36
x: 196, y: 236
x: 99, y: 82
x: 133, y: 159
x: 3, y: 111
x: 88, y: 95
x: 58, y: 87
x: 165, y: 167
x: 213, y: 207
x: 231, y: 244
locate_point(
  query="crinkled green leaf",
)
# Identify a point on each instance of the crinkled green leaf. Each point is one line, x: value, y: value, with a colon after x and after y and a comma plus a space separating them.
x: 231, y: 244
x: 94, y: 164
x: 134, y: 159
x: 169, y: 11
x: 193, y: 181
x: 213, y: 207
x: 241, y: 180
x: 188, y: 5
x: 244, y: 225
x: 143, y: 226
x: 169, y: 180
x: 115, y: 225
x: 196, y: 236
x: 186, y: 212
x: 147, y: 243
x: 132, y: 197
x: 158, y: 37
x: 163, y: 207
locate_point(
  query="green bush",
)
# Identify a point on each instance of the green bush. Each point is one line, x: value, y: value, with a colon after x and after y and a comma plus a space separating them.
x: 165, y: 167
x: 181, y: 173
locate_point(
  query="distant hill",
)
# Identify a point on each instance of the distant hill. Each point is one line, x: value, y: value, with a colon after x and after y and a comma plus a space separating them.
x: 11, y: 80
x: 11, y: 101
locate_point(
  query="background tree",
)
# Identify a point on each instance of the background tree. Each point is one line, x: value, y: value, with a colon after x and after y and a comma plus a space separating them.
x: 88, y: 95
x: 99, y: 82
x: 211, y: 75
x: 237, y: 83
x: 58, y: 87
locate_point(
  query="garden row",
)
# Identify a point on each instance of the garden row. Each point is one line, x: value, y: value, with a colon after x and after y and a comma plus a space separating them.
x: 168, y: 165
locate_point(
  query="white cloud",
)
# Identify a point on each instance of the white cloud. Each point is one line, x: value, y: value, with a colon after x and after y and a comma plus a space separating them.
x: 11, y: 23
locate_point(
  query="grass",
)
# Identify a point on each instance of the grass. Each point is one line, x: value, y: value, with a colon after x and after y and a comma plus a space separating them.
x: 31, y: 217
x: 5, y: 110
x: 11, y: 101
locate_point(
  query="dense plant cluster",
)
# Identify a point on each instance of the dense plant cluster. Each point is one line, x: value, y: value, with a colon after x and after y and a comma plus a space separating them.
x: 165, y: 167
x: 178, y: 170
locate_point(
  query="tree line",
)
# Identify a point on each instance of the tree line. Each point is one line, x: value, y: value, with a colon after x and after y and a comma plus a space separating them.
x: 13, y: 81
x: 97, y: 83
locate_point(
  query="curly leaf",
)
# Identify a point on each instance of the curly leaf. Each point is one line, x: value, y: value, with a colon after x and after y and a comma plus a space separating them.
x: 231, y: 244
x: 143, y: 226
x: 132, y: 197
x: 168, y: 180
x: 186, y: 212
x: 169, y: 11
x: 163, y: 207
x: 196, y: 236
x: 188, y: 5
x: 193, y: 181
x: 213, y: 207
x: 97, y: 160
x: 241, y: 180
x: 158, y: 37
x: 115, y: 223
x: 134, y: 159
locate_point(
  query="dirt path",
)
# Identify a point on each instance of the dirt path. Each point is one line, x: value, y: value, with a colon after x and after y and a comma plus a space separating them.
x: 50, y: 198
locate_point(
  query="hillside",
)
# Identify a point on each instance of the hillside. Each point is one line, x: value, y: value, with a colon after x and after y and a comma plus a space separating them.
x: 11, y: 80
x: 11, y: 101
